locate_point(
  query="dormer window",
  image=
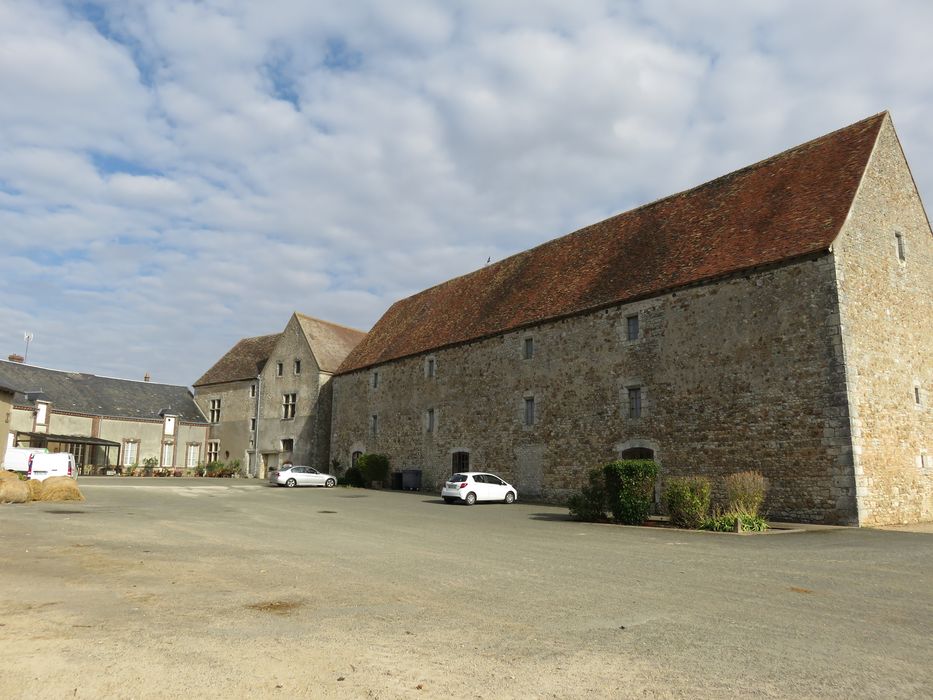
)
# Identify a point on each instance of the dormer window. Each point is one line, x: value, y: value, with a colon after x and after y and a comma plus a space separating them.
x: 42, y: 412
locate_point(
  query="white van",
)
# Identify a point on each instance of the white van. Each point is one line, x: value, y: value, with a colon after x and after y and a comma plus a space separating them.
x: 16, y: 459
x: 43, y: 465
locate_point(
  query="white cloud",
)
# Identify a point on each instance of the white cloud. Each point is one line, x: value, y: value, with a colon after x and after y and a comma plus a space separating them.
x: 175, y: 175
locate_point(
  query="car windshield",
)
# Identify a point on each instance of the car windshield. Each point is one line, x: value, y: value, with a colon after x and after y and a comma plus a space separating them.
x: 459, y: 477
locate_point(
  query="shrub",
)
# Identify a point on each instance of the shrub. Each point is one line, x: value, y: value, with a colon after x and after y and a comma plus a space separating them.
x: 590, y: 504
x: 745, y: 492
x: 353, y: 477
x: 725, y: 522
x: 687, y: 499
x: 213, y: 468
x: 629, y: 489
x: 373, y: 467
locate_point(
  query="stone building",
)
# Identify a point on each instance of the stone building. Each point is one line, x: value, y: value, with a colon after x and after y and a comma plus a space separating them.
x: 274, y: 391
x: 106, y: 423
x: 777, y: 318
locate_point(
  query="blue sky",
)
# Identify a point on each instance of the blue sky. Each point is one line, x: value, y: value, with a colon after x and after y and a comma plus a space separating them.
x: 177, y: 175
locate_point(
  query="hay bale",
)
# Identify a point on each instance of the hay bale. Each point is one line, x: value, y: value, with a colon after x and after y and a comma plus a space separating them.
x: 35, y: 489
x: 60, y: 488
x: 13, y: 491
x: 8, y: 475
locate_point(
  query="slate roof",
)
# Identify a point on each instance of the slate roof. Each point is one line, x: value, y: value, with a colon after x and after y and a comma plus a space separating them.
x: 330, y: 343
x: 98, y: 396
x: 244, y: 360
x: 785, y: 207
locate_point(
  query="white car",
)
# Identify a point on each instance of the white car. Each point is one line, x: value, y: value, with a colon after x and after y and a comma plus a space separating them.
x: 42, y: 465
x: 470, y: 487
x: 299, y: 475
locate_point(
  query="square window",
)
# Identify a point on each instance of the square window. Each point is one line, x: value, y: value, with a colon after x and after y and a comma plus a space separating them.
x: 634, y: 402
x: 288, y: 444
x: 529, y: 411
x: 631, y: 326
x: 529, y: 348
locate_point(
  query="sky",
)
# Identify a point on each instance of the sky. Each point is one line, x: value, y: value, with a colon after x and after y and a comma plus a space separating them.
x: 177, y: 175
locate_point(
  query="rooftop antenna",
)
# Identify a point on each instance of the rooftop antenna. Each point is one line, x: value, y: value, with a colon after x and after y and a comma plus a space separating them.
x: 27, y: 336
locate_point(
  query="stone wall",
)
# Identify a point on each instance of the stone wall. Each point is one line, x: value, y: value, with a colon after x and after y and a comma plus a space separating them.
x: 886, y: 309
x: 237, y: 407
x: 745, y: 373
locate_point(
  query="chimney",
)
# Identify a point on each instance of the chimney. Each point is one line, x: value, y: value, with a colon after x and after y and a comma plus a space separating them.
x: 16, y: 358
x: 146, y: 377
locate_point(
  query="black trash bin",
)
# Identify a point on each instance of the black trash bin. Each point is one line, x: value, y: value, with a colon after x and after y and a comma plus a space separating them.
x: 411, y: 479
x: 396, y: 481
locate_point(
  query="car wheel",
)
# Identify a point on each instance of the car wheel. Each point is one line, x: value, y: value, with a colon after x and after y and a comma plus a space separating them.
x: 510, y: 497
x: 470, y: 498
x: 290, y: 483
x: 330, y: 483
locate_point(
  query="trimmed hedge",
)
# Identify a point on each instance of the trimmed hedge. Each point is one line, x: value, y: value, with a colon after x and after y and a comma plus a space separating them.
x: 688, y: 499
x: 590, y: 504
x: 353, y: 477
x: 630, y: 489
x: 373, y: 467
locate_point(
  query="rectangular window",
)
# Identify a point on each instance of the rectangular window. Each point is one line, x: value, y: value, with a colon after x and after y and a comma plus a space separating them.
x: 42, y: 413
x: 213, y: 449
x: 215, y: 411
x: 901, y: 248
x: 634, y: 402
x: 529, y: 411
x: 297, y: 366
x: 374, y: 424
x: 631, y: 324
x: 430, y: 420
x: 288, y: 406
x: 430, y: 369
x: 192, y: 453
x: 130, y: 453
x: 529, y: 350
x: 168, y: 454
x: 278, y: 369
x: 168, y: 426
x: 288, y: 444
x: 252, y: 425
x: 252, y: 391
x: 917, y: 395
x: 375, y: 379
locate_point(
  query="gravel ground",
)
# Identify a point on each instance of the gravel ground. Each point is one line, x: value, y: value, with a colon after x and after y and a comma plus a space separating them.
x: 160, y: 588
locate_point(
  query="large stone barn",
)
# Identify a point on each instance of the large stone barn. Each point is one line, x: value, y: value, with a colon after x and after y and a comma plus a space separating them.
x: 778, y: 318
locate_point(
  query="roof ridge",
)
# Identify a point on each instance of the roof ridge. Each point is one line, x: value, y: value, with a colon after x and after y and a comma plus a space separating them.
x: 91, y: 374
x: 329, y: 323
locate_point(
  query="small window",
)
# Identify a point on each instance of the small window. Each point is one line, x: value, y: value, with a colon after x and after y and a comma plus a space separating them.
x: 42, y: 413
x: 634, y: 402
x: 529, y: 348
x: 374, y: 424
x: 288, y: 444
x: 355, y: 458
x: 916, y: 394
x: 288, y: 406
x: 529, y: 411
x: 252, y: 425
x: 297, y: 366
x: 168, y: 426
x: 215, y: 411
x: 430, y: 420
x: 901, y: 247
x: 213, y: 450
x: 375, y: 380
x: 631, y: 324
x: 252, y: 391
x: 429, y: 368
x: 279, y: 369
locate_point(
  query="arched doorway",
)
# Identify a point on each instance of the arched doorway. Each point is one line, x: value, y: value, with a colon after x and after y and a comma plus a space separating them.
x: 637, y: 453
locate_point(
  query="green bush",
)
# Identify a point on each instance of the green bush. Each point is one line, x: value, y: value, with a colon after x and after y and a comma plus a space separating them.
x: 590, y: 504
x: 687, y: 499
x: 630, y: 489
x: 353, y: 477
x: 746, y: 492
x: 214, y: 468
x: 373, y: 467
x: 725, y: 522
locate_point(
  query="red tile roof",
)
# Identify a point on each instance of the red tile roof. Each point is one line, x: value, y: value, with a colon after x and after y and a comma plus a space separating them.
x: 787, y: 206
x: 244, y: 360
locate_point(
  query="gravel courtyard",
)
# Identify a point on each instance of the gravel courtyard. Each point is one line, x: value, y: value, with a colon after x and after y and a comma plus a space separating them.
x: 225, y: 588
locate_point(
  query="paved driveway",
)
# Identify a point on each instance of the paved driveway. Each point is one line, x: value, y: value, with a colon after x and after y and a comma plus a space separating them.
x: 210, y: 588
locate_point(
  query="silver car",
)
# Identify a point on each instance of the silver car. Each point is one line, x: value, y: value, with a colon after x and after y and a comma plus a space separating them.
x: 299, y: 475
